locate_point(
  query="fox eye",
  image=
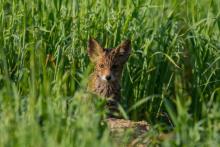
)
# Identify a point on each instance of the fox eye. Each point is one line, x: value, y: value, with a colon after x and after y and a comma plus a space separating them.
x: 114, y: 66
x: 101, y: 65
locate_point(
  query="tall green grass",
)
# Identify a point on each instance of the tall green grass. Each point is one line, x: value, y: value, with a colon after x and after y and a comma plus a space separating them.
x: 171, y: 80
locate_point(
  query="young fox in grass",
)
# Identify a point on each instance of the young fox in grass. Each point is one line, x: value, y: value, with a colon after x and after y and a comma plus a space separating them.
x: 105, y: 80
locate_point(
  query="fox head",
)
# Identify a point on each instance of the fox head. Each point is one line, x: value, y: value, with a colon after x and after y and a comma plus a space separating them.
x: 108, y: 61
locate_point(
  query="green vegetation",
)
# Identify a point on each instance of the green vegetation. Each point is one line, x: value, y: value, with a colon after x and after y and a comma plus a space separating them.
x: 172, y: 79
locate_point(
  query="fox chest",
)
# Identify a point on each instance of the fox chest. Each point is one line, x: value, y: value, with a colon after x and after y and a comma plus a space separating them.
x: 105, y: 89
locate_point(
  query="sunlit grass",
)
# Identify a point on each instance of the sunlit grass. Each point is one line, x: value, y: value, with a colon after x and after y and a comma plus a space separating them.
x: 171, y: 79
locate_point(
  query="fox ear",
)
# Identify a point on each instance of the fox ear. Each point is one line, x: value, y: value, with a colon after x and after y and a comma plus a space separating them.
x: 124, y: 50
x: 94, y: 49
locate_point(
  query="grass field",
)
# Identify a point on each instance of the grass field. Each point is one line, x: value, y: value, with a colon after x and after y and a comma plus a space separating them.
x: 172, y: 79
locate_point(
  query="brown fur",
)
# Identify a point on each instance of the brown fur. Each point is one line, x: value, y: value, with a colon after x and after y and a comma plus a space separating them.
x: 108, y: 63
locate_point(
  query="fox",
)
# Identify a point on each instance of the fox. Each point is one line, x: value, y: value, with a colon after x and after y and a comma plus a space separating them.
x: 106, y: 77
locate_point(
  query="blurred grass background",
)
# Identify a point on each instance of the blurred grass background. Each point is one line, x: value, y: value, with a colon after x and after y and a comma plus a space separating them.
x: 172, y: 79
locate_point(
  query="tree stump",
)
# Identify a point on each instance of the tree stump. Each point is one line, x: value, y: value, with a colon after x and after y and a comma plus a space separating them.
x: 128, y: 133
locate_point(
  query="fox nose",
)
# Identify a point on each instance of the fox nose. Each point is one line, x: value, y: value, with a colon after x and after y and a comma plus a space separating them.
x: 108, y: 77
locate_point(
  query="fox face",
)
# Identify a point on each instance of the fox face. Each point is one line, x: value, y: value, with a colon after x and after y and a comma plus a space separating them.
x: 108, y: 61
